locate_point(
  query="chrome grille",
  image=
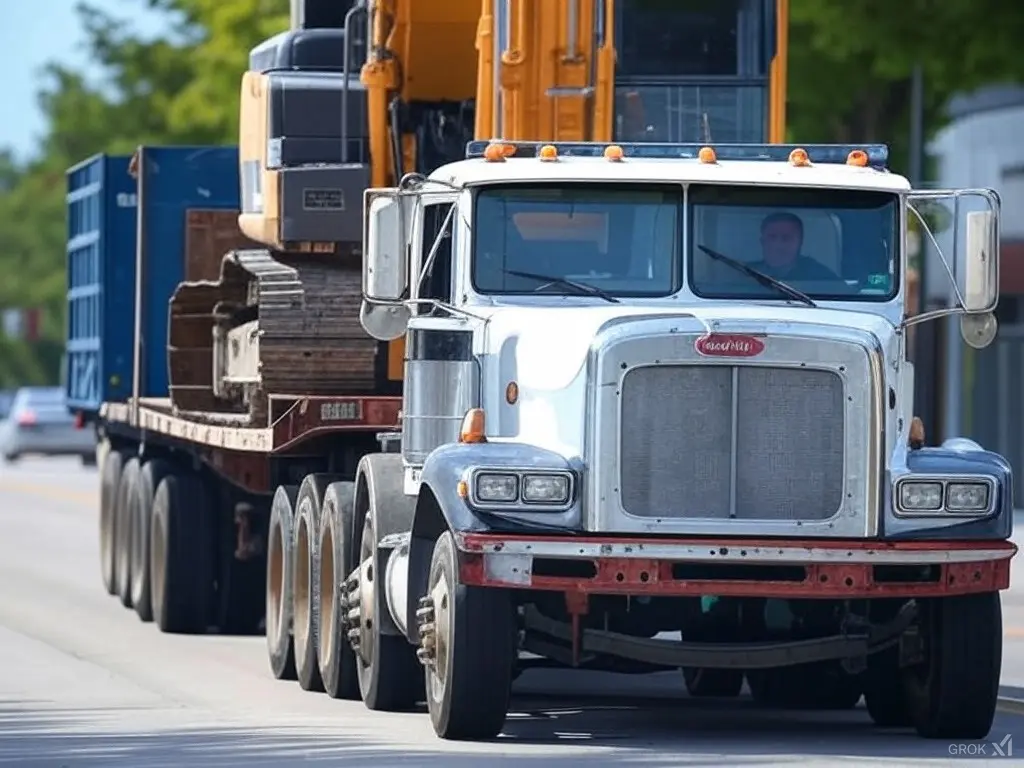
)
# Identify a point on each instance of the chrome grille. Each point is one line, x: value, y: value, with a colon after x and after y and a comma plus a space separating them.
x: 742, y: 442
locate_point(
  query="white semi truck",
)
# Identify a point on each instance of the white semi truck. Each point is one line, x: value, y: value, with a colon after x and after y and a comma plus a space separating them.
x: 661, y: 388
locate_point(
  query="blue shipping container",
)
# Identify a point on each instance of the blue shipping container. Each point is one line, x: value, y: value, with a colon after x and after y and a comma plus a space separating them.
x: 106, y: 210
x: 100, y: 280
x: 172, y: 180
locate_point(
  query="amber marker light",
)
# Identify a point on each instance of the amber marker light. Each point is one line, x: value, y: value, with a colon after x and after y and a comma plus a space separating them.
x: 548, y: 153
x: 494, y: 153
x: 858, y: 157
x: 472, y: 430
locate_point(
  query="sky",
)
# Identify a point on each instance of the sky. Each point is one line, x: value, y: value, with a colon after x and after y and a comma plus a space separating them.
x: 35, y: 32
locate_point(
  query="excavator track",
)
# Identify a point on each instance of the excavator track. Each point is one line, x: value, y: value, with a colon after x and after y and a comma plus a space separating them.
x: 310, y: 339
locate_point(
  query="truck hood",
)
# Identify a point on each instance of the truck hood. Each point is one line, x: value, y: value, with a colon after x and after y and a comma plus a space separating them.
x: 551, y: 344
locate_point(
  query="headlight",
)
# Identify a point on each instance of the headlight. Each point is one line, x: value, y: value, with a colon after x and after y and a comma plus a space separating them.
x: 497, y: 487
x: 920, y: 497
x: 967, y: 497
x: 546, y: 489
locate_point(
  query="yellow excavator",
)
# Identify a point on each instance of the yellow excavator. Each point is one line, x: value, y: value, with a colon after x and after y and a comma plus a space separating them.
x: 357, y: 94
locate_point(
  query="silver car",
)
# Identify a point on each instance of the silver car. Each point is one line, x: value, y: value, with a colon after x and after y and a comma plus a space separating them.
x: 6, y: 400
x: 39, y: 423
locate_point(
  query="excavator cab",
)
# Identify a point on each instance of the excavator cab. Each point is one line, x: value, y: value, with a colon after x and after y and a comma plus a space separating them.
x: 693, y: 70
x: 303, y: 149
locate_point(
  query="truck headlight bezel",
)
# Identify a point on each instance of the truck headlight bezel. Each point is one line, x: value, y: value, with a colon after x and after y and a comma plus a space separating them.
x: 945, y: 507
x: 522, y: 480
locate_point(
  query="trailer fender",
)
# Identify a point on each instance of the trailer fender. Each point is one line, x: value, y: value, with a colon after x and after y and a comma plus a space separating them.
x: 380, y: 493
x: 440, y: 508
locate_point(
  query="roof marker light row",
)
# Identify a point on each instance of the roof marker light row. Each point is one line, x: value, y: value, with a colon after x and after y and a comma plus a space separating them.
x: 874, y: 155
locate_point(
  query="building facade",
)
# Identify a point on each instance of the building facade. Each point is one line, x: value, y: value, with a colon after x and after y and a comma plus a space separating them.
x: 983, y: 146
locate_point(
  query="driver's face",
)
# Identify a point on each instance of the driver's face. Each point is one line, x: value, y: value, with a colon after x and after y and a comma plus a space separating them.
x: 780, y: 243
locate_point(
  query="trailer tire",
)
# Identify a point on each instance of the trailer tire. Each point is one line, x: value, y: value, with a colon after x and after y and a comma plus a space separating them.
x: 124, y: 513
x: 279, y: 603
x: 337, y: 561
x: 390, y: 676
x: 306, y: 580
x: 153, y: 471
x: 471, y: 647
x: 713, y: 683
x: 954, y: 694
x: 110, y: 481
x: 181, y: 580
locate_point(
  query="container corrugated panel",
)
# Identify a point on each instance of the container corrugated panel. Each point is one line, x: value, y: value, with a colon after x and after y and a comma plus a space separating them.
x: 172, y: 181
x: 100, y: 281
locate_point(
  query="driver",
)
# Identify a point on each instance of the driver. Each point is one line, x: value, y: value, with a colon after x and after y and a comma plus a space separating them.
x: 782, y: 236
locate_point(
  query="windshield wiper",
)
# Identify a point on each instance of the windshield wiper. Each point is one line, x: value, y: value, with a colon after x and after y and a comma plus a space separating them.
x: 581, y: 288
x: 766, y: 280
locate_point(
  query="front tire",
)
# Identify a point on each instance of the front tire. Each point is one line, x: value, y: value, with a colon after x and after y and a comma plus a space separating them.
x: 471, y: 648
x: 954, y: 694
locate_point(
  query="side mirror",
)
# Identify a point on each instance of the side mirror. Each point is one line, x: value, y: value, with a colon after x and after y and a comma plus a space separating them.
x: 979, y: 265
x: 385, y: 266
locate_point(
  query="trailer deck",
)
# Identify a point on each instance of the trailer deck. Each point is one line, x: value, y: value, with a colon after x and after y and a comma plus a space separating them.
x: 241, y: 451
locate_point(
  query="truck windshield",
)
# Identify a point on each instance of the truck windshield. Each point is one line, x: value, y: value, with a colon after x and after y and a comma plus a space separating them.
x: 826, y: 243
x: 623, y: 240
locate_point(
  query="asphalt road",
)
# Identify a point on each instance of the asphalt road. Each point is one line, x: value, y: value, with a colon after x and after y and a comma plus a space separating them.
x: 84, y: 683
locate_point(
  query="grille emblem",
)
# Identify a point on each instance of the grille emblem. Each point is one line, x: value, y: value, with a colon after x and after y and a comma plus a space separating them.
x: 729, y: 345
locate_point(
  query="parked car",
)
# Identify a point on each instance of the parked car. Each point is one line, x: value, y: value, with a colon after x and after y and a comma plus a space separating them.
x: 39, y: 422
x: 6, y: 401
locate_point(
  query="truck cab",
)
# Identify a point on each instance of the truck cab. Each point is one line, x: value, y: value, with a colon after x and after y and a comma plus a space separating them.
x: 663, y: 387
x: 701, y: 345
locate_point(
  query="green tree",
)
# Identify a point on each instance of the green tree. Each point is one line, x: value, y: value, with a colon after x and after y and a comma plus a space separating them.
x: 179, y: 89
x: 851, y: 63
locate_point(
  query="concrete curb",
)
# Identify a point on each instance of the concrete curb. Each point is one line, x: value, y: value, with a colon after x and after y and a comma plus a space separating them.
x: 1011, y: 705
